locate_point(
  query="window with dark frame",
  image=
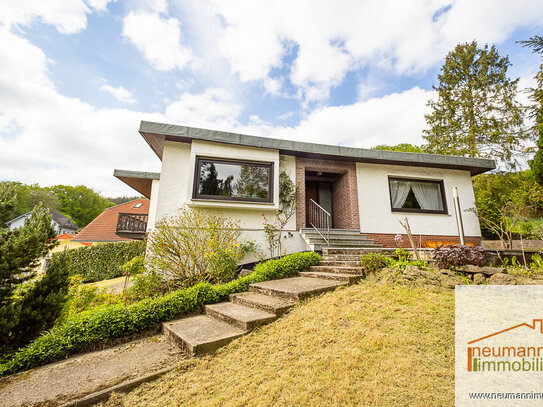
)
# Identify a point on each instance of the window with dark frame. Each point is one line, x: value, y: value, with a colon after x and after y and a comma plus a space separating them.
x: 417, y: 195
x: 233, y: 180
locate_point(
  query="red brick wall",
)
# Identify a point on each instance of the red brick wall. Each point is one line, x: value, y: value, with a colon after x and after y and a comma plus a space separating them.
x: 344, y: 191
x: 387, y: 240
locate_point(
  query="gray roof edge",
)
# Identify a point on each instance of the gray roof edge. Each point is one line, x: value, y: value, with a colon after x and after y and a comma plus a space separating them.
x: 358, y: 154
x: 136, y: 174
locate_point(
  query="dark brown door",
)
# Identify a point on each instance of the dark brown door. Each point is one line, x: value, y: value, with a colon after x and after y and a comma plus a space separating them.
x: 311, y: 192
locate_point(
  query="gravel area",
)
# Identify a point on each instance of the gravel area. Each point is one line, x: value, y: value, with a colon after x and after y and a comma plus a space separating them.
x: 76, y: 377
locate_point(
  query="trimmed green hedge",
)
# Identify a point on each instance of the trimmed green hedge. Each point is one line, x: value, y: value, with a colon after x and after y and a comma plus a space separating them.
x: 102, y: 325
x: 101, y: 261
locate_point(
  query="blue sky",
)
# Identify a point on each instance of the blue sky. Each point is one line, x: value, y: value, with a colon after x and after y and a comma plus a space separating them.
x: 77, y: 76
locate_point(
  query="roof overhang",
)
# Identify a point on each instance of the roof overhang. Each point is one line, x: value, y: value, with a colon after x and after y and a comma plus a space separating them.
x: 138, y: 180
x: 155, y: 134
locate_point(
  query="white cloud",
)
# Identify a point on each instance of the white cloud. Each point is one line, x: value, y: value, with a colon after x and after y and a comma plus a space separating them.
x: 392, y: 119
x: 325, y: 40
x: 158, y: 39
x: 50, y: 139
x: 212, y: 108
x: 68, y: 16
x: 120, y: 93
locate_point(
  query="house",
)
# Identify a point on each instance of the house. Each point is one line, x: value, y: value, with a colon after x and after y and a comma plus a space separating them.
x: 126, y: 221
x: 347, y: 197
x: 61, y: 223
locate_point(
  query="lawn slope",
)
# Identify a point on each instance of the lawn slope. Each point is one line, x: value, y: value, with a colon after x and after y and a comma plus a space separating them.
x: 368, y: 344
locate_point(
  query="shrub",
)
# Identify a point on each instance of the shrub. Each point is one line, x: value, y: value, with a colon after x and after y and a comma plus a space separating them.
x: 373, y: 262
x: 37, y: 307
x: 100, y: 326
x: 451, y: 256
x: 101, y: 261
x: 196, y: 246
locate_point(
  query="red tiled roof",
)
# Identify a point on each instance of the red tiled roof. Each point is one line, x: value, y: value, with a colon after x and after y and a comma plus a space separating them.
x: 103, y: 227
x: 65, y: 236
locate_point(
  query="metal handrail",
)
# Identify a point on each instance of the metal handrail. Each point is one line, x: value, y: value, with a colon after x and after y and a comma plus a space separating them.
x: 319, y: 218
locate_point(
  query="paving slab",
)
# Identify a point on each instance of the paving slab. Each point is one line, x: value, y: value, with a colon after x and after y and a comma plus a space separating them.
x: 71, y: 379
x: 240, y: 316
x: 296, y: 288
x: 268, y: 303
x: 201, y: 334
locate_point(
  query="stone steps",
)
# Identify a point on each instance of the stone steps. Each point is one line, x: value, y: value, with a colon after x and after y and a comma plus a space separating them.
x: 296, y: 288
x: 340, y: 263
x: 273, y: 305
x: 337, y: 238
x: 346, y: 278
x: 352, y: 251
x: 334, y: 269
x: 240, y: 316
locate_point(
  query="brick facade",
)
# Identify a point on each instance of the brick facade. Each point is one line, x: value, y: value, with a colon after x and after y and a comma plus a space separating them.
x: 344, y: 191
x: 387, y: 240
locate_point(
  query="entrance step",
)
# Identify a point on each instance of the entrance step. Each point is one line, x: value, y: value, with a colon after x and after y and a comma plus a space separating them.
x: 274, y: 305
x: 296, y: 288
x: 347, y: 278
x: 201, y: 334
x: 240, y: 316
x: 352, y: 251
x: 340, y: 270
x: 337, y: 238
x: 342, y: 257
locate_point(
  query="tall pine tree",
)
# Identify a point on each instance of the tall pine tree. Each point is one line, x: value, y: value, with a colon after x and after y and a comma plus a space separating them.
x: 536, y: 110
x: 476, y: 114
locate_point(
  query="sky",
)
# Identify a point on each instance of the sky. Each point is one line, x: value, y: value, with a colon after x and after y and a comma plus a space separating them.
x: 78, y: 76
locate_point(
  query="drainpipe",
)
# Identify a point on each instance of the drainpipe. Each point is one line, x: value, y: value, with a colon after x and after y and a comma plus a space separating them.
x: 458, y: 212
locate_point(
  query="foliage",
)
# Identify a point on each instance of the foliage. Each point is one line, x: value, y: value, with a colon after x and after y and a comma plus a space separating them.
x: 37, y: 308
x: 8, y: 197
x: 26, y: 198
x: 476, y: 113
x: 80, y: 203
x: 196, y: 246
x: 373, y: 262
x: 403, y: 147
x: 101, y: 261
x: 100, y: 326
x: 148, y: 284
x: 273, y: 229
x: 123, y: 199
x: 536, y: 109
x: 451, y: 256
x: 83, y: 297
x: 504, y: 199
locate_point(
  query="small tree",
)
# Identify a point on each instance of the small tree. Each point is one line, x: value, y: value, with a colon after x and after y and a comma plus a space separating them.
x: 287, y: 208
x: 194, y: 246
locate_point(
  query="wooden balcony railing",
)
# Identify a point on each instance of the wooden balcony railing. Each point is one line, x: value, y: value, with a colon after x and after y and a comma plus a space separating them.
x: 132, y: 223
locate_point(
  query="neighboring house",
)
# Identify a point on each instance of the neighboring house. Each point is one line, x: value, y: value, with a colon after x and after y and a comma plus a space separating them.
x: 61, y: 223
x: 359, y: 194
x: 127, y: 221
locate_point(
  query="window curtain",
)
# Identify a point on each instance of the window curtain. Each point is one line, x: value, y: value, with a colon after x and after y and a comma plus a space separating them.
x: 428, y: 195
x: 399, y: 191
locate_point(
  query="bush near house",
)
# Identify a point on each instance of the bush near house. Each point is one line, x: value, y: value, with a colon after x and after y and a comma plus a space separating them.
x: 102, y: 261
x: 102, y: 325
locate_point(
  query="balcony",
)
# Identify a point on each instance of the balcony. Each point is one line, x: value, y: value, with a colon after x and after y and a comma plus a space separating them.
x: 133, y: 225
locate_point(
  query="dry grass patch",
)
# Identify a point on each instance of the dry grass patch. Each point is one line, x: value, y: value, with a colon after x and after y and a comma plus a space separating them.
x: 368, y: 344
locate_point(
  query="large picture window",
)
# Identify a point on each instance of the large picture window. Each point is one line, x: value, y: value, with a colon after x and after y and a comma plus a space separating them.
x: 233, y: 180
x: 417, y: 195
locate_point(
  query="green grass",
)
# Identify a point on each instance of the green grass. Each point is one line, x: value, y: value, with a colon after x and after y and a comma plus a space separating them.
x: 368, y: 344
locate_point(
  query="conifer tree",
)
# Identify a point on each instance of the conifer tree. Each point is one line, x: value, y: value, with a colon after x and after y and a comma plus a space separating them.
x: 476, y: 114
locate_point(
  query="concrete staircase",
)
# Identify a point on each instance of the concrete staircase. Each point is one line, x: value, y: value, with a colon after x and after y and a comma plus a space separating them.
x: 341, y: 238
x: 263, y: 303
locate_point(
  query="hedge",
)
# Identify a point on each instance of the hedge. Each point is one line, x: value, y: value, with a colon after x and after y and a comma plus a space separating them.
x: 101, y: 261
x: 102, y: 325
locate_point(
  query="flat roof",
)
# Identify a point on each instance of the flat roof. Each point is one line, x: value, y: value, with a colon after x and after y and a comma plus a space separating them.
x: 155, y: 134
x: 139, y: 180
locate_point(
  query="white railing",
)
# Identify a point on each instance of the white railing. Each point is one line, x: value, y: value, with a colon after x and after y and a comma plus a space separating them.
x: 319, y: 218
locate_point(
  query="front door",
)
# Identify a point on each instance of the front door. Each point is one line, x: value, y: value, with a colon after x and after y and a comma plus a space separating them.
x: 321, y: 193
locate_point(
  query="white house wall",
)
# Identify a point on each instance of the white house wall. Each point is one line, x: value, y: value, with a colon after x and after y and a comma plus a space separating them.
x: 155, y: 186
x: 375, y: 211
x: 176, y: 188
